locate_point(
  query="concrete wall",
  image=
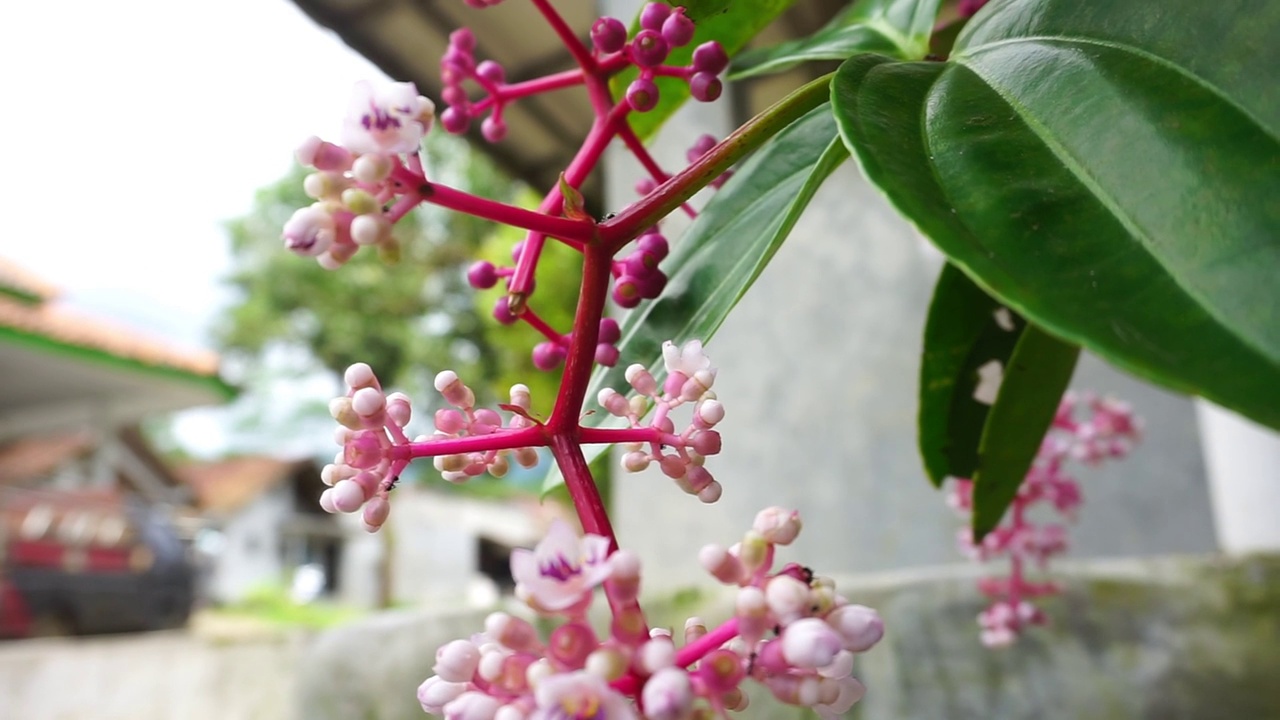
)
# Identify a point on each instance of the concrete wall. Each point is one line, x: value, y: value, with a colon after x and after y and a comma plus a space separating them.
x: 251, y: 553
x: 156, y: 676
x: 1191, y: 638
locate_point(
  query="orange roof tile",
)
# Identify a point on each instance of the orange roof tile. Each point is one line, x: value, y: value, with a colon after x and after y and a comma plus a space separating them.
x: 228, y: 485
x: 50, y: 320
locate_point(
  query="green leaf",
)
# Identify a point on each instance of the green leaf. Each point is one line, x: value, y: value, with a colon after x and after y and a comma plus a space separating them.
x: 1032, y: 388
x: 899, y: 28
x: 724, y: 251
x: 733, y: 26
x: 1109, y: 169
x: 966, y: 329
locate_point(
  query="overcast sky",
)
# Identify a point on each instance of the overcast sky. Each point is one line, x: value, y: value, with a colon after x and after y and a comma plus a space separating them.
x: 136, y: 128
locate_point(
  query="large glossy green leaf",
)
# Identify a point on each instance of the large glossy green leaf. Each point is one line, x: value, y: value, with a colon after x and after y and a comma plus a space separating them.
x: 899, y: 28
x: 732, y: 25
x: 724, y: 250
x: 1030, y: 392
x: 966, y: 329
x: 1108, y: 168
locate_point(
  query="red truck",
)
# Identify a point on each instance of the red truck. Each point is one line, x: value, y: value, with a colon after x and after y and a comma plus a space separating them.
x: 88, y: 562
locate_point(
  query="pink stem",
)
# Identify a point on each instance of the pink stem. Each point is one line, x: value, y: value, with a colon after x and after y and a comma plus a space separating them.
x: 541, y: 326
x: 638, y: 149
x: 575, y: 231
x: 535, y: 436
x: 610, y: 436
x: 602, y: 132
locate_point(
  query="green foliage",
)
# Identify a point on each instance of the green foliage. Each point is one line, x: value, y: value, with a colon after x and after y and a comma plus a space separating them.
x: 1034, y: 381
x: 725, y: 250
x: 899, y: 28
x: 963, y: 332
x: 1104, y: 168
x: 733, y: 24
x: 272, y: 604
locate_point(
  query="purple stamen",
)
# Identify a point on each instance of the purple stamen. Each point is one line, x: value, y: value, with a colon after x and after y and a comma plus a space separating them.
x: 559, y: 568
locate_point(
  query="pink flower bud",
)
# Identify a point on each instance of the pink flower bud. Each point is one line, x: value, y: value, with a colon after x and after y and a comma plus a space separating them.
x: 638, y: 377
x: 548, y: 355
x: 368, y: 402
x: 435, y: 693
x: 347, y: 496
x: 810, y: 643
x: 722, y: 565
x: 609, y: 35
x: 371, y: 169
x: 653, y: 15
x: 472, y: 706
x: 613, y: 401
x: 668, y: 695
x: 375, y: 513
x: 482, y: 275
x: 456, y: 661
x: 363, y: 451
x: 610, y: 332
x: 399, y: 409
x: 710, y: 57
x: 706, y: 442
x: 673, y: 467
x: 859, y: 626
x: 494, y: 129
x: 607, y: 355
x: 310, y: 231
x: 709, y: 413
x: 635, y: 461
x: 326, y: 501
x: 788, y: 598
x: 455, y: 120
x: 778, y: 525
x: 678, y: 29
x: 511, y: 632
x: 705, y: 87
x: 642, y: 95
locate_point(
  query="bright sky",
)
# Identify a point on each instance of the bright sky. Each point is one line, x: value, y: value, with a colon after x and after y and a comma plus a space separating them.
x: 136, y: 128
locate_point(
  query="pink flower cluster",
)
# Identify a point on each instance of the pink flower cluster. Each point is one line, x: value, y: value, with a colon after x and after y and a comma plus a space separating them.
x: 680, y: 456
x: 637, y: 276
x: 1108, y: 430
x: 352, y: 183
x: 791, y: 632
x: 662, y: 28
x: 376, y: 449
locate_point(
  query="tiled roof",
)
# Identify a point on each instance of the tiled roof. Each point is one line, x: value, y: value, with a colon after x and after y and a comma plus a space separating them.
x: 225, y: 486
x: 16, y: 281
x: 46, y: 318
x: 35, y: 458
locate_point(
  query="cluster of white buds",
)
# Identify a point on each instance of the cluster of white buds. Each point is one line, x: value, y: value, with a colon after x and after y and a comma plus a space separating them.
x: 680, y: 456
x: 795, y: 634
x: 463, y: 419
x: 370, y: 423
x: 353, y: 183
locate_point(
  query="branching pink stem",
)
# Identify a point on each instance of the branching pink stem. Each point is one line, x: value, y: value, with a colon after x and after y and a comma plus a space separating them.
x: 537, y: 323
x: 501, y: 440
x: 609, y: 436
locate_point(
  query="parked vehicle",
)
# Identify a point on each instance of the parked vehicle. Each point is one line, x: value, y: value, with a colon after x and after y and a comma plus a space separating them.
x: 81, y: 562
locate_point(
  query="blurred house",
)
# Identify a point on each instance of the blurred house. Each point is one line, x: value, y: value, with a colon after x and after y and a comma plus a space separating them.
x: 92, y: 522
x: 263, y: 523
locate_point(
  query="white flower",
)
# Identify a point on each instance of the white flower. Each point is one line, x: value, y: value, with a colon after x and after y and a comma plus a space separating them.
x: 310, y: 231
x: 562, y: 568
x: 387, y: 120
x: 687, y: 360
x: 579, y: 696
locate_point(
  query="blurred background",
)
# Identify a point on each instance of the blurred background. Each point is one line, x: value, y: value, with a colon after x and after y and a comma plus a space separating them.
x: 165, y: 369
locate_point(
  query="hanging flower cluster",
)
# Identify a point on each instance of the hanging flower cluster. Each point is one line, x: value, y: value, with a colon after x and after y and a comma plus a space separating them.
x: 790, y: 632
x: 1108, y: 429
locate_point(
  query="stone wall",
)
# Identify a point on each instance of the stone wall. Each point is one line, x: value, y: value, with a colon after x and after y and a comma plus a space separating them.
x: 1191, y: 638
